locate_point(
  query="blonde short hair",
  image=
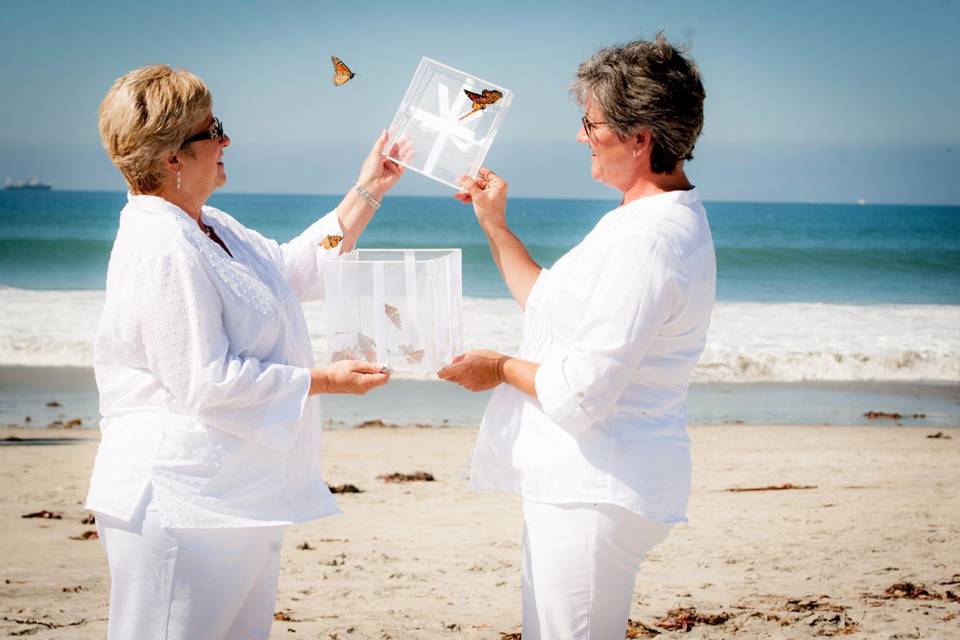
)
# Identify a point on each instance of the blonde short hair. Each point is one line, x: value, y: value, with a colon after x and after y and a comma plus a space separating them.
x: 146, y: 114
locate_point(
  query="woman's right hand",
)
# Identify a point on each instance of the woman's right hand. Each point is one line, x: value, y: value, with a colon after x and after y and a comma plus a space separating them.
x: 348, y: 376
x: 488, y: 193
x: 379, y: 171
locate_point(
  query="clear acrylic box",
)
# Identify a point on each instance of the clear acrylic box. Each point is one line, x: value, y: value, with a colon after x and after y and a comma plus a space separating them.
x: 399, y: 307
x: 450, y: 138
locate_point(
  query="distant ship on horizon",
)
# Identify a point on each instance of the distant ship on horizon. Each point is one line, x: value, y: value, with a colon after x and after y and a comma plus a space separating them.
x: 30, y: 184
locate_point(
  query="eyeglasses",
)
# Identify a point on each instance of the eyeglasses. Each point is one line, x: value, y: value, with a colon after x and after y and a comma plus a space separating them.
x: 215, y: 132
x: 588, y: 126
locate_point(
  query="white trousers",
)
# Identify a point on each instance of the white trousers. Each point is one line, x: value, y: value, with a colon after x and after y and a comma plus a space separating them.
x: 196, y: 584
x: 579, y: 566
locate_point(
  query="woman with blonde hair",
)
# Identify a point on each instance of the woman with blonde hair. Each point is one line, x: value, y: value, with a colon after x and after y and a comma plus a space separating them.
x: 587, y: 423
x: 208, y: 390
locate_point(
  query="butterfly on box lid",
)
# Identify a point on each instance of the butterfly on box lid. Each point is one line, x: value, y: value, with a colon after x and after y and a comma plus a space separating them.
x: 481, y: 101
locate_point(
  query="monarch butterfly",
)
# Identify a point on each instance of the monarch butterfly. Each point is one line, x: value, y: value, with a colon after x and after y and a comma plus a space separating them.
x: 413, y: 355
x: 341, y: 72
x: 331, y: 242
x: 393, y: 314
x: 481, y: 100
x: 365, y: 349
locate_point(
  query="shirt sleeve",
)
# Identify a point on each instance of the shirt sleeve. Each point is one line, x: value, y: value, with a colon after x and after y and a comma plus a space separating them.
x: 637, y: 289
x: 178, y: 316
x: 301, y: 259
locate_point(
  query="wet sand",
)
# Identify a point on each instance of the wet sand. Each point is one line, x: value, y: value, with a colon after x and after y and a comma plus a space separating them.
x: 436, y: 560
x: 25, y: 390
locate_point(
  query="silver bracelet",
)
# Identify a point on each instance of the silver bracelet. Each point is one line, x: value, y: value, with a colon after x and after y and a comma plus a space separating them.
x: 373, y: 202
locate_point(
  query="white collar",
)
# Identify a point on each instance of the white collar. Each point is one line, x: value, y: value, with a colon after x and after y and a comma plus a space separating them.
x: 157, y: 205
x: 671, y: 197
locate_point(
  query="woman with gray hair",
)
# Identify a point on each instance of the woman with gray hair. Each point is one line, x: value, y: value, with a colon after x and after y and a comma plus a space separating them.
x: 208, y: 391
x: 587, y: 423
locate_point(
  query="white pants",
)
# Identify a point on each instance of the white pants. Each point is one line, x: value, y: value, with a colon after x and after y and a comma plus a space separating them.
x: 196, y: 584
x: 579, y: 566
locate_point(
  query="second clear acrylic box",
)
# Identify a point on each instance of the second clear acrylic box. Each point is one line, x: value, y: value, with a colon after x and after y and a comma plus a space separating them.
x: 399, y: 307
x: 449, y: 137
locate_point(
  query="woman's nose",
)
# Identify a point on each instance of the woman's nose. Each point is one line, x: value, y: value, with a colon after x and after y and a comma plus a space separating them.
x: 225, y: 141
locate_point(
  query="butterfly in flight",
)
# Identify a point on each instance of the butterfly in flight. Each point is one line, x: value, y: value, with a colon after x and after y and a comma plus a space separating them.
x: 341, y: 72
x: 481, y: 100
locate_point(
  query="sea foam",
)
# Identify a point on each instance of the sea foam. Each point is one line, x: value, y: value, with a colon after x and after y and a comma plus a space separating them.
x: 748, y: 342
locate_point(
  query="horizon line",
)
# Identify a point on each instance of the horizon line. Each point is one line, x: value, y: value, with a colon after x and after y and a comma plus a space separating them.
x: 865, y: 203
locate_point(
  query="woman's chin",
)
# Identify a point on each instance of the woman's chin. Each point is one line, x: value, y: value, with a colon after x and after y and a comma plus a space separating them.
x: 596, y: 171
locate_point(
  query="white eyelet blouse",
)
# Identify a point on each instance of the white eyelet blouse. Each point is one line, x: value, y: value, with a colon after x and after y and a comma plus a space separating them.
x: 203, y: 365
x: 617, y: 325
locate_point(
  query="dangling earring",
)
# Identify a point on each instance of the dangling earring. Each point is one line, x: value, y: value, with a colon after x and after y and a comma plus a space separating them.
x: 635, y: 154
x: 178, y: 179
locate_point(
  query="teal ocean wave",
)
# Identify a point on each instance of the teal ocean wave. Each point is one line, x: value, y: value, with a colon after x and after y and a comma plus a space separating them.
x: 765, y: 252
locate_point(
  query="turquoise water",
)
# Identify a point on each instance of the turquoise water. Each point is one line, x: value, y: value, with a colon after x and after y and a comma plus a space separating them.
x: 765, y: 252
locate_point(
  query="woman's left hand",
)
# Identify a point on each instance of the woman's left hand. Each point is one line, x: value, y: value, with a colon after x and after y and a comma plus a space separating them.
x: 378, y: 173
x: 476, y: 370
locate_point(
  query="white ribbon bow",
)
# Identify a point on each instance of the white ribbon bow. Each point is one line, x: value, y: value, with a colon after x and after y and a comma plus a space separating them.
x: 447, y: 121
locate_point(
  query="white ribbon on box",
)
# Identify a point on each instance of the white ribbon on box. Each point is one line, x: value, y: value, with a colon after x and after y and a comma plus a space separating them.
x: 446, y: 123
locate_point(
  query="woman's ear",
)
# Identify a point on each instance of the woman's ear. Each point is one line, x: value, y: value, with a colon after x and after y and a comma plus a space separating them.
x: 172, y: 163
x: 644, y: 141
x: 638, y: 149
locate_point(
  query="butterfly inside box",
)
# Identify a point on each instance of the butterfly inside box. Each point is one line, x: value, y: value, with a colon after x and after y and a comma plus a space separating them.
x: 366, y: 347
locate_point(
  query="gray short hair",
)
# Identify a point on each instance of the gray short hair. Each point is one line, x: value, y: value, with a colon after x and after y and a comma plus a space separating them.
x: 647, y: 85
x: 147, y: 113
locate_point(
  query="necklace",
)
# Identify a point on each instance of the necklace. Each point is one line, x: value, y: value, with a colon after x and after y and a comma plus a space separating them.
x: 210, y: 233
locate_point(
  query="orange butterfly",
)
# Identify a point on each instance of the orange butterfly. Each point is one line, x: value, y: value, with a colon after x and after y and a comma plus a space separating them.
x: 481, y: 100
x: 365, y: 349
x: 341, y: 72
x: 331, y: 242
x: 413, y: 355
x: 393, y: 314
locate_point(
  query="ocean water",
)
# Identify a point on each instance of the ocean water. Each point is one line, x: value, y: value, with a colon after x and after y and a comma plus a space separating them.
x: 769, y: 253
x: 806, y: 292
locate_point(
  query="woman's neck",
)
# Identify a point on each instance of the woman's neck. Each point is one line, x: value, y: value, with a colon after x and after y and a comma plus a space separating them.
x: 192, y: 205
x: 656, y: 183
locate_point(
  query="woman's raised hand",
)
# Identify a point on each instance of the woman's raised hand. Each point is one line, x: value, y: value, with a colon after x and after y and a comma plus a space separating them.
x: 379, y: 172
x: 488, y: 193
x: 348, y: 376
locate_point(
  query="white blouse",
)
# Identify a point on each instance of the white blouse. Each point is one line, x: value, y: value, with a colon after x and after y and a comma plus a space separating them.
x: 203, y: 365
x: 617, y: 325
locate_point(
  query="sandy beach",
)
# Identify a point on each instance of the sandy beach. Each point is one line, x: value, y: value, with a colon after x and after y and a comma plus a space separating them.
x: 869, y: 508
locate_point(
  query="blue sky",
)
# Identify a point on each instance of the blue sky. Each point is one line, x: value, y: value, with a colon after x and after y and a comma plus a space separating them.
x: 806, y: 101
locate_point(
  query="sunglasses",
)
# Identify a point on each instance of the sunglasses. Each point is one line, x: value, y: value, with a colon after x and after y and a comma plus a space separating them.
x: 215, y: 132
